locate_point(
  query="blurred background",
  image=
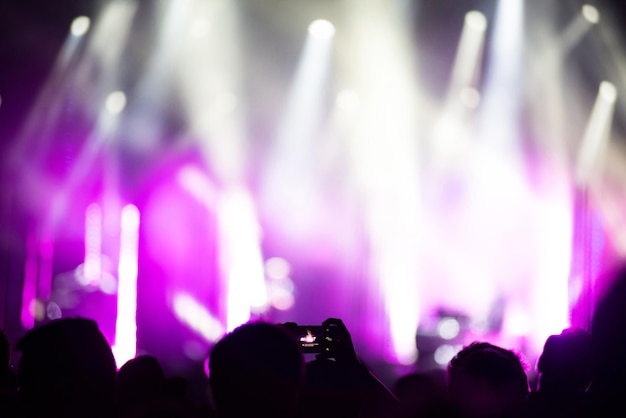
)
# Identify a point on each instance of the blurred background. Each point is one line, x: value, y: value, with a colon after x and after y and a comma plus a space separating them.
x: 431, y: 172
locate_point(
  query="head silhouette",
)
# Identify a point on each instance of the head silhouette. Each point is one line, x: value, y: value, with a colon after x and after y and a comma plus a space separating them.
x: 257, y: 369
x: 140, y: 380
x: 608, y: 339
x: 66, y: 369
x: 565, y: 363
x: 485, y: 380
x: 5, y: 352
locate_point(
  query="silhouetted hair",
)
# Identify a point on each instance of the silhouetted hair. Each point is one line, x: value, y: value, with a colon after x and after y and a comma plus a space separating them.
x: 487, y: 380
x: 140, y: 379
x: 565, y: 362
x: 256, y: 369
x: 608, y: 339
x: 67, y: 369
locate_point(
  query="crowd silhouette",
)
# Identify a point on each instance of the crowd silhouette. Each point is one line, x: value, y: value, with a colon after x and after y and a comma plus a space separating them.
x: 66, y: 369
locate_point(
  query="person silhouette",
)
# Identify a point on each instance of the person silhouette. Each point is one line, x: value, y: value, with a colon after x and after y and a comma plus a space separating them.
x: 487, y: 381
x: 8, y: 380
x: 256, y: 370
x: 564, y: 374
x: 607, y: 390
x: 66, y: 369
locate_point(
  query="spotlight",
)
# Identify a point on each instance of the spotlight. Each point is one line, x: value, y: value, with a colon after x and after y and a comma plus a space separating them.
x: 608, y: 92
x: 53, y: 311
x: 591, y: 14
x: 190, y: 312
x: 108, y: 284
x: 448, y: 328
x: 322, y: 29
x: 80, y: 26
x: 277, y: 268
x: 476, y: 20
x: 444, y: 353
x: 116, y: 102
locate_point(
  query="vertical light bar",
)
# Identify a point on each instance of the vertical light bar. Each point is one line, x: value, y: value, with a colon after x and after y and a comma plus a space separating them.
x: 92, y: 266
x: 451, y: 129
x: 579, y: 27
x: 467, y: 62
x: 588, y: 234
x: 384, y: 161
x: 503, y: 83
x: 125, y: 346
x: 29, y: 287
x: 241, y: 261
x: 289, y: 180
x: 597, y: 134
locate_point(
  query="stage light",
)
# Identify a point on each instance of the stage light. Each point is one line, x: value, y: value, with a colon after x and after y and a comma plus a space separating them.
x: 92, y: 266
x: 518, y: 323
x: 448, y: 328
x: 281, y: 298
x: 591, y: 14
x: 125, y: 347
x: 608, y: 92
x: 29, y: 285
x: 476, y: 20
x: 289, y: 177
x: 80, y: 26
x: 384, y: 168
x: 189, y: 311
x: 116, y: 102
x: 444, y: 353
x: 108, y: 284
x: 597, y: 133
x: 322, y: 29
x: 450, y: 138
x: 277, y: 268
x: 53, y: 311
x: 198, y: 185
x: 38, y: 309
x: 241, y: 258
x: 468, y: 55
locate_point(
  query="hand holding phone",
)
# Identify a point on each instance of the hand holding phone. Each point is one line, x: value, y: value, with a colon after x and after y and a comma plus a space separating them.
x: 315, y: 339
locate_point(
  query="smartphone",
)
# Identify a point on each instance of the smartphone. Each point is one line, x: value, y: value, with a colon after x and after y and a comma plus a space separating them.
x: 314, y: 338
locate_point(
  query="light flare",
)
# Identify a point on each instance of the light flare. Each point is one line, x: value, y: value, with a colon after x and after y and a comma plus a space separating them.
x: 189, y: 311
x: 241, y: 260
x: 92, y: 267
x: 125, y: 347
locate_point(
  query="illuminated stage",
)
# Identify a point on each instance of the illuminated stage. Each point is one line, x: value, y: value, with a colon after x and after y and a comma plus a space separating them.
x: 426, y: 171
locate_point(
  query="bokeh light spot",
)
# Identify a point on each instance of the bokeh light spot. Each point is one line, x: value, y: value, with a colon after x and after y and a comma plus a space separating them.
x: 444, y: 353
x: 277, y: 268
x: 53, y: 311
x: 80, y: 26
x: 448, y: 328
x: 322, y: 29
x: 476, y: 20
x: 116, y: 102
x: 591, y: 14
